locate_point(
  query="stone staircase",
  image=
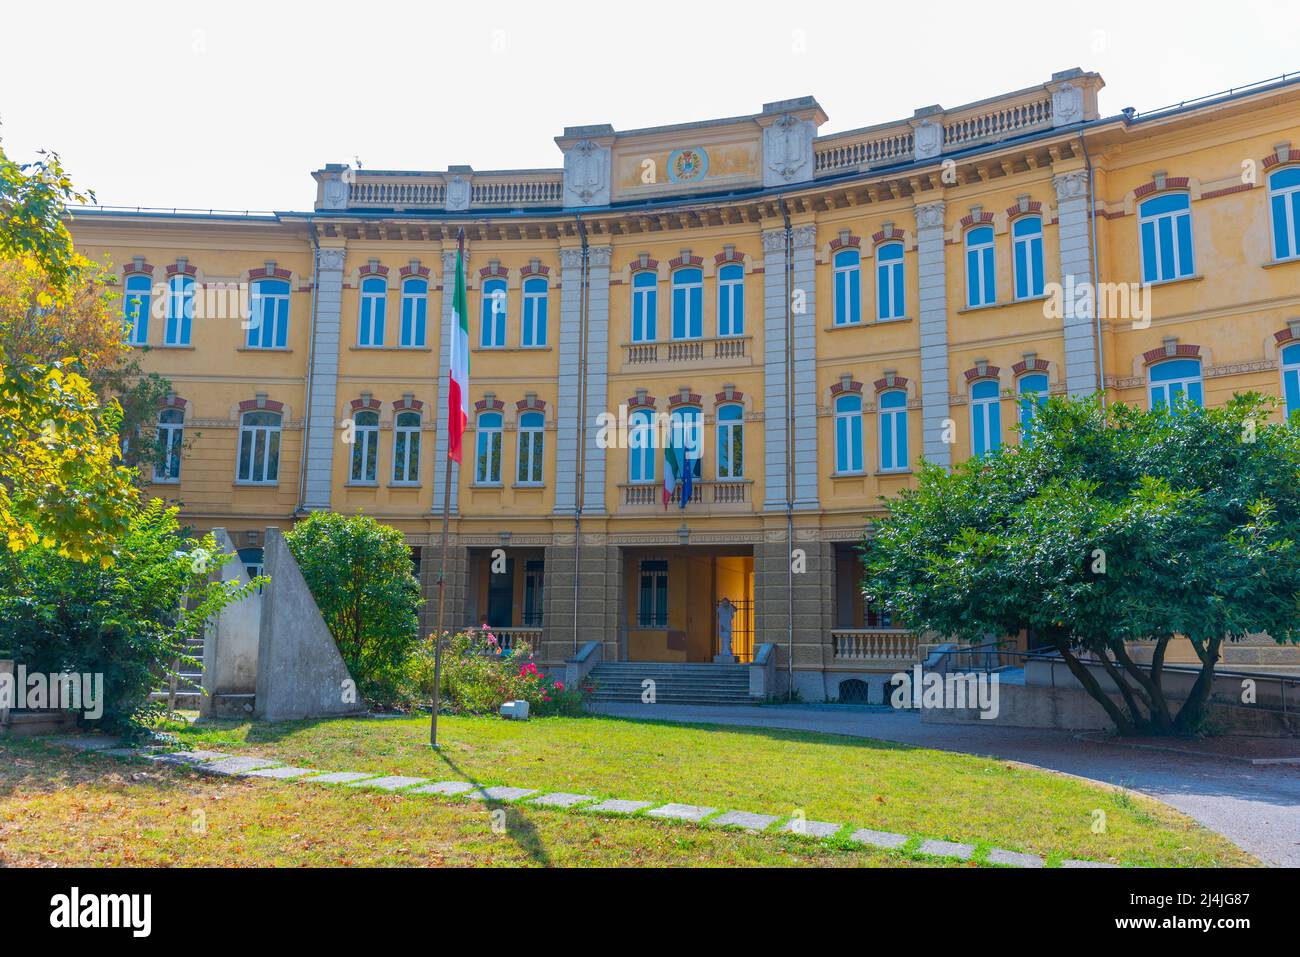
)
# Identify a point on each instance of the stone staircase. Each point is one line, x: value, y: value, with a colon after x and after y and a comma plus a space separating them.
x: 699, y: 684
x: 189, y: 684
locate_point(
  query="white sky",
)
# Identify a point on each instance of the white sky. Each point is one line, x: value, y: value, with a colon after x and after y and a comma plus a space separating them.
x: 231, y: 105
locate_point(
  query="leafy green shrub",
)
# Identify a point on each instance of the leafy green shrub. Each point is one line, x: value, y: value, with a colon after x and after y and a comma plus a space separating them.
x: 128, y: 620
x: 360, y: 573
x: 477, y: 679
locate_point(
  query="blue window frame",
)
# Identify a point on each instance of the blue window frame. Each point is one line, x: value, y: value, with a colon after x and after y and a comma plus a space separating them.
x: 644, y: 306
x: 891, y: 301
x: 268, y: 319
x: 892, y: 406
x: 731, y: 300
x: 981, y: 267
x: 848, y: 287
x: 687, y: 437
x: 1033, y: 395
x: 488, y: 464
x: 1284, y: 212
x: 493, y: 329
x: 1027, y: 247
x: 135, y: 309
x: 415, y: 312
x: 1176, y: 382
x: 180, y: 311
x: 688, y: 302
x: 985, y: 417
x: 534, y: 330
x: 532, y: 428
x: 374, y: 305
x: 171, y: 441
x: 1291, y: 378
x: 731, y: 441
x: 406, y: 448
x: 365, y: 448
x: 1165, y: 225
x: 641, y: 447
x: 848, y: 434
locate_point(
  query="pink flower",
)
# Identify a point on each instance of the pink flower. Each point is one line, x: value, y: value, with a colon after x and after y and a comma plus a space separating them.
x: 559, y: 686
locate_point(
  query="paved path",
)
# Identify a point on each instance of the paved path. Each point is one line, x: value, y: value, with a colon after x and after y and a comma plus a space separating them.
x: 1257, y: 808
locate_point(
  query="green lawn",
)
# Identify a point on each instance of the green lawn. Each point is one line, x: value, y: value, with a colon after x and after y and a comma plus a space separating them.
x: 865, y: 783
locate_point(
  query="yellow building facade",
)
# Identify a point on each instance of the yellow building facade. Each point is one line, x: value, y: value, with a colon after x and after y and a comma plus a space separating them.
x: 815, y: 312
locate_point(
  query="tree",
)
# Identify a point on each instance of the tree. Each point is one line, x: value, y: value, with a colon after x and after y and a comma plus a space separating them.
x: 1109, y: 526
x: 129, y: 620
x: 33, y: 202
x: 360, y: 573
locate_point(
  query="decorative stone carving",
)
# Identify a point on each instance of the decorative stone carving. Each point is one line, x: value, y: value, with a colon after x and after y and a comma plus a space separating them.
x: 1067, y: 105
x: 458, y: 194
x: 586, y: 174
x: 571, y: 258
x: 927, y: 140
x: 929, y: 215
x: 1071, y: 185
x: 773, y: 240
x: 334, y: 193
x: 788, y: 151
x: 600, y: 255
x: 804, y: 236
x: 332, y: 258
x: 449, y: 260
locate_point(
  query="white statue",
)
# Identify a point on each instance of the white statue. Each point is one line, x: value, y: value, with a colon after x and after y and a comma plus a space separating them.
x: 726, y: 612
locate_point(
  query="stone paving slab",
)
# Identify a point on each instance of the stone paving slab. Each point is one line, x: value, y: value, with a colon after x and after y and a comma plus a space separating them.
x: 561, y: 799
x: 282, y: 773
x: 817, y: 829
x: 393, y: 782
x: 1014, y: 858
x: 619, y: 806
x: 337, y: 777
x: 745, y: 819
x: 682, y: 812
x: 947, y: 849
x: 123, y: 753
x: 87, y: 742
x: 1070, y: 862
x: 444, y: 787
x: 500, y: 793
x: 237, y: 765
x: 186, y: 757
x: 886, y: 839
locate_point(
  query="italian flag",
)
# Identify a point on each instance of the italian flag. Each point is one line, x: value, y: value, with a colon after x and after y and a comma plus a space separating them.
x: 458, y: 393
x: 677, y: 468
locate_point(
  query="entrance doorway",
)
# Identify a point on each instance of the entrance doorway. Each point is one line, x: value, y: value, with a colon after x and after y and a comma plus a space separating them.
x: 671, y: 597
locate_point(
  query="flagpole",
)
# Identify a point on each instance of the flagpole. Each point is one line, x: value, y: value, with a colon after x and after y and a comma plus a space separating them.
x: 442, y: 563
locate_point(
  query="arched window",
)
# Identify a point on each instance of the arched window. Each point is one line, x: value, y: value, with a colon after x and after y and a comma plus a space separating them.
x: 1284, y: 211
x: 406, y: 448
x: 641, y: 446
x: 488, y: 468
x: 687, y: 438
x: 135, y: 309
x: 1165, y: 225
x: 892, y: 407
x: 180, y: 311
x: 688, y: 304
x: 171, y: 438
x: 493, y: 333
x: 1027, y: 256
x: 374, y: 305
x: 1176, y: 382
x: 534, y: 333
x: 415, y: 312
x: 259, y: 447
x: 848, y: 287
x: 891, y: 301
x: 731, y: 441
x: 365, y: 448
x: 985, y: 417
x: 848, y: 434
x: 268, y: 319
x: 731, y: 300
x: 532, y: 427
x: 981, y: 267
x: 1291, y: 378
x: 644, y: 306
x: 1033, y: 390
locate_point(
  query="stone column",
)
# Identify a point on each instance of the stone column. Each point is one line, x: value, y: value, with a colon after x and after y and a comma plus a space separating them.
x: 932, y: 312
x: 439, y: 463
x: 1079, y: 317
x: 567, y: 413
x: 804, y: 368
x: 593, y: 477
x: 318, y: 476
x: 774, y: 407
